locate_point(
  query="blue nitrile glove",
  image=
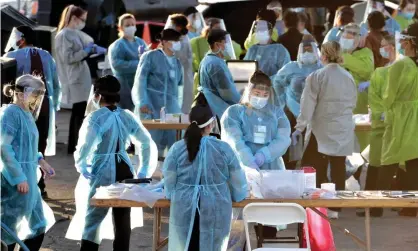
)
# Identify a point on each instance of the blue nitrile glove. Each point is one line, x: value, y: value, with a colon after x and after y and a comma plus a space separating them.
x: 100, y: 50
x: 295, y: 136
x: 259, y: 159
x: 89, y: 48
x: 141, y: 50
x: 88, y: 175
x: 363, y: 86
x: 255, y: 167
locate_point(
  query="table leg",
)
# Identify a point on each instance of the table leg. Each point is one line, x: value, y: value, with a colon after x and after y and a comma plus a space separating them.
x: 178, y: 135
x: 368, y: 236
x: 155, y: 234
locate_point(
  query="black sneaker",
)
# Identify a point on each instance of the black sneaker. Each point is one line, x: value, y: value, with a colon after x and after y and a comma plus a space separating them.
x: 44, y: 195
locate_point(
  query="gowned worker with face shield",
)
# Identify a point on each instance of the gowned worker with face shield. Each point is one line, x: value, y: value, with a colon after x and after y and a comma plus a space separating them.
x: 196, y: 22
x: 179, y: 23
x: 257, y: 128
x: 359, y: 63
x: 266, y: 15
x: 101, y: 160
x: 327, y: 105
x: 391, y: 25
x: 124, y: 56
x: 202, y: 177
x: 405, y: 14
x: 276, y: 6
x: 400, y: 100
x: 157, y: 82
x: 73, y: 47
x: 271, y: 57
x: 22, y: 209
x: 34, y: 60
x: 216, y: 80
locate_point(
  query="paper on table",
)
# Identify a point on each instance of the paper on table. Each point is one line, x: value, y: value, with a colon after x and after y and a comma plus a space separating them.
x: 142, y: 194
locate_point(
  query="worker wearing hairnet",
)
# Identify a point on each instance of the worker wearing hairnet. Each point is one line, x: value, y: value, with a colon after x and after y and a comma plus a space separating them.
x: 216, y: 80
x: 156, y: 85
x: 179, y: 23
x: 276, y: 6
x: 359, y: 62
x: 257, y: 128
x: 124, y: 56
x: 327, y: 105
x: 101, y: 160
x: 202, y: 177
x: 290, y: 80
x: 266, y: 15
x: 391, y: 25
x: 196, y: 22
x: 200, y: 45
x: 22, y: 207
x: 271, y: 57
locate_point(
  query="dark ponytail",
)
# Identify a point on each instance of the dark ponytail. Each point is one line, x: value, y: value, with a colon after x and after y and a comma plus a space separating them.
x: 199, y: 115
x: 108, y: 87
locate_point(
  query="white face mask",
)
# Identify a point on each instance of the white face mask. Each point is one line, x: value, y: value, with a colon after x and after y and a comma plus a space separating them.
x: 129, y: 31
x: 96, y: 104
x: 175, y: 46
x: 197, y: 24
x: 308, y: 58
x: 258, y: 102
x: 80, y: 25
x: 347, y: 43
x: 384, y: 53
x: 263, y: 37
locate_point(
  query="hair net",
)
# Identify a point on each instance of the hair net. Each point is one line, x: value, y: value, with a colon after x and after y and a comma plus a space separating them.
x: 15, y: 36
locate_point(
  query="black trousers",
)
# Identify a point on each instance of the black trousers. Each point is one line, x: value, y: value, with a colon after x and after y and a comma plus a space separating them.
x: 33, y: 244
x: 195, y: 238
x: 290, y: 165
x: 320, y: 161
x: 76, y: 120
x: 121, y: 218
x: 42, y: 123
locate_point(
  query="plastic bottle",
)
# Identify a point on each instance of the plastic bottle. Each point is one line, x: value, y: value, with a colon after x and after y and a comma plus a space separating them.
x: 162, y: 115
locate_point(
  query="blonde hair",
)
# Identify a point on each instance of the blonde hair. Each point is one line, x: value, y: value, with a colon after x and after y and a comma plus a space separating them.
x: 332, y: 52
x: 67, y: 14
x: 120, y: 22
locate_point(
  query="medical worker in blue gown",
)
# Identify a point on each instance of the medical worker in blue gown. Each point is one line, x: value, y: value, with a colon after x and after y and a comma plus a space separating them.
x: 124, y: 56
x: 216, y: 80
x: 22, y: 209
x: 290, y: 80
x: 157, y: 82
x: 32, y: 60
x: 202, y: 178
x: 101, y: 159
x: 271, y: 57
x: 257, y: 128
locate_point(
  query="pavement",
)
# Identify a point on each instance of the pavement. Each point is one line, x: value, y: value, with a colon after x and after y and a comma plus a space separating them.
x: 389, y: 233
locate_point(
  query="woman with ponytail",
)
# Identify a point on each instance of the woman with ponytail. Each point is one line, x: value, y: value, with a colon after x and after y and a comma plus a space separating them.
x: 202, y: 177
x: 101, y: 159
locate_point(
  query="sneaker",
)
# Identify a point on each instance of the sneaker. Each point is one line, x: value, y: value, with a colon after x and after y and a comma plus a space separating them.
x: 332, y: 214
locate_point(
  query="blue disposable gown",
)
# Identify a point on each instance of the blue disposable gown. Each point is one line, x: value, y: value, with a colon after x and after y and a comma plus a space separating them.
x: 23, y: 59
x: 25, y: 214
x: 124, y: 59
x: 157, y: 82
x: 289, y: 83
x: 241, y: 127
x: 280, y: 27
x: 391, y: 26
x: 271, y: 58
x: 217, y: 84
x: 99, y: 136
x: 208, y: 185
x: 192, y: 35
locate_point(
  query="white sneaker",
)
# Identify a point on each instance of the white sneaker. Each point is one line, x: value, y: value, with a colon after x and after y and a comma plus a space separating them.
x: 332, y: 214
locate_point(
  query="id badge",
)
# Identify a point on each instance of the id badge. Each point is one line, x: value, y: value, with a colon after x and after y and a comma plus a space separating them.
x: 172, y: 74
x: 260, y: 134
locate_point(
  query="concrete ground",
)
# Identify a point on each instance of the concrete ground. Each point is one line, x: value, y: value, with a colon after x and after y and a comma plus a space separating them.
x: 389, y: 233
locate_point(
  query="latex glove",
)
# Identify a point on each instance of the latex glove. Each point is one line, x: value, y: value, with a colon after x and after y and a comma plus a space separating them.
x: 49, y: 172
x: 295, y: 136
x: 89, y: 48
x: 259, y: 159
x: 363, y: 86
x: 100, y: 50
x: 141, y: 50
x: 88, y: 175
x: 382, y: 116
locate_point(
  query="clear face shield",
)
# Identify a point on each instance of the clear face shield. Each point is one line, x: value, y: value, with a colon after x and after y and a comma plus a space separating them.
x: 277, y: 8
x: 349, y: 40
x: 197, y: 21
x: 374, y: 6
x: 229, y: 48
x: 261, y: 29
x: 32, y: 99
x: 15, y: 36
x: 308, y: 54
x: 401, y: 39
x: 258, y: 96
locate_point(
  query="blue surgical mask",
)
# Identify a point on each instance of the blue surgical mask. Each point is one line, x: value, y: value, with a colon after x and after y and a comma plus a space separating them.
x: 347, y: 43
x: 384, y: 53
x: 408, y: 15
x: 258, y: 102
x: 401, y: 51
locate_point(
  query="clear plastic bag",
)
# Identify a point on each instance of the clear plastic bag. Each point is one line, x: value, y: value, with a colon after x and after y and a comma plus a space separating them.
x: 282, y: 184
